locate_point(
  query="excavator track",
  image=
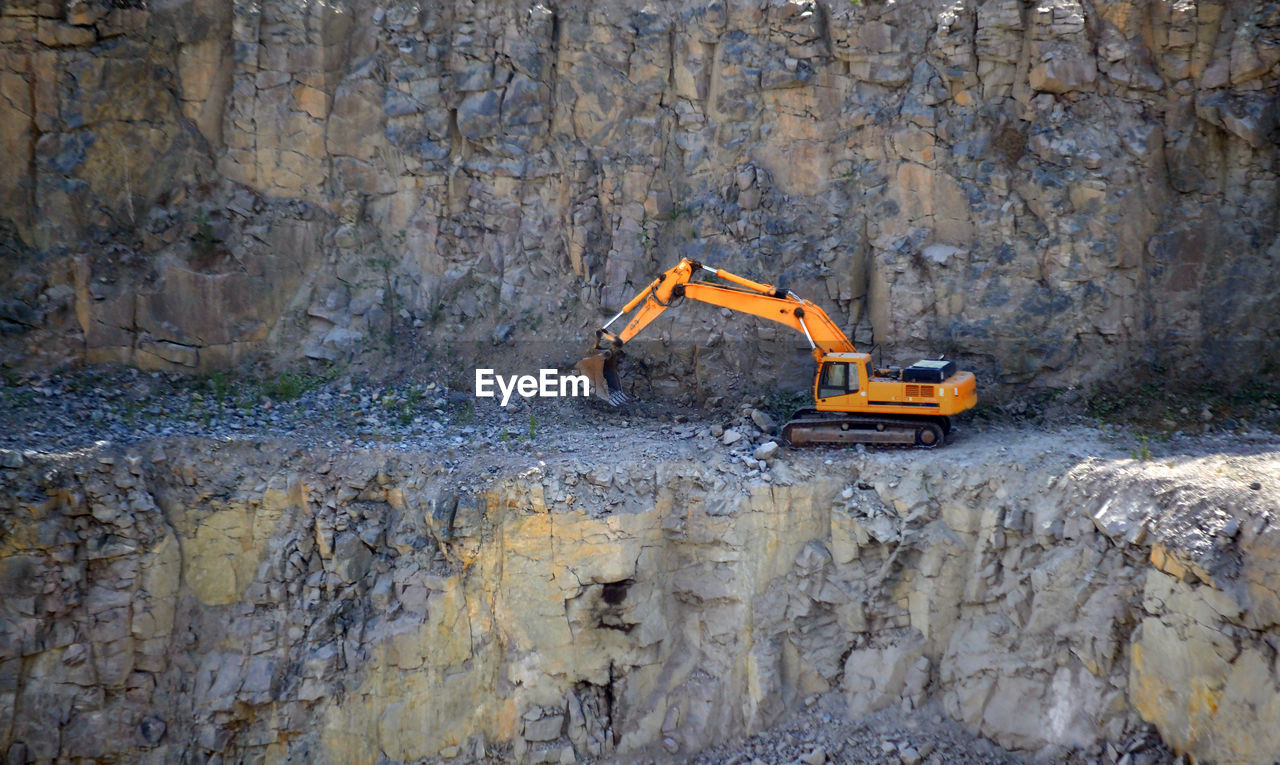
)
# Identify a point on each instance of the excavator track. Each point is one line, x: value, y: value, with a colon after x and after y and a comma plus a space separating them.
x: 811, y: 428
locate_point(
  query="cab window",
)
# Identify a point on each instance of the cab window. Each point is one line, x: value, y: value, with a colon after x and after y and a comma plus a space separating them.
x: 838, y: 378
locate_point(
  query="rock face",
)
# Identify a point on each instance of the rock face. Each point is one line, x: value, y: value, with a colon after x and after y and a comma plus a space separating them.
x: 1052, y: 192
x: 167, y: 602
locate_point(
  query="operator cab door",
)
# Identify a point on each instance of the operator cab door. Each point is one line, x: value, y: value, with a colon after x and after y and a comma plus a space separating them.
x: 837, y: 378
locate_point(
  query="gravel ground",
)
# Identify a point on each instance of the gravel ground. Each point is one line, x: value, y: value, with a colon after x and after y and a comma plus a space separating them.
x: 72, y: 411
x: 69, y: 412
x: 820, y: 732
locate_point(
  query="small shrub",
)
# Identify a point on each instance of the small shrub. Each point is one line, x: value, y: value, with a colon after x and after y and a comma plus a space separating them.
x: 1141, y: 452
x: 781, y: 405
x: 679, y: 211
x: 287, y: 386
x: 219, y: 383
x: 464, y: 412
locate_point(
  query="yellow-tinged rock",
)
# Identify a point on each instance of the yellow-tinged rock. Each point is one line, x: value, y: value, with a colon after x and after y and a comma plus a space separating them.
x: 221, y: 551
x: 1176, y: 681
x: 797, y: 152
x: 596, y: 550
x: 411, y: 714
x: 807, y: 680
x: 274, y: 500
x: 960, y: 518
x: 1161, y: 559
x: 934, y: 598
x: 1086, y: 196
x: 804, y: 511
x: 444, y: 641
x: 54, y: 33
x: 847, y: 535
x: 1250, y: 701
x: 313, y: 101
x: 211, y: 554
x: 14, y: 28
x: 161, y: 574
x: 198, y: 67
x: 532, y: 609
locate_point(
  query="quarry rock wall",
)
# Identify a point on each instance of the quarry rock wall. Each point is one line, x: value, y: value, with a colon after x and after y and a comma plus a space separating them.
x: 1054, y: 192
x: 255, y: 600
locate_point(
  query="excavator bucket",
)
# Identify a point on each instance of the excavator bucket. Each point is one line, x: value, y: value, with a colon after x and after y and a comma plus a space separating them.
x: 601, y: 368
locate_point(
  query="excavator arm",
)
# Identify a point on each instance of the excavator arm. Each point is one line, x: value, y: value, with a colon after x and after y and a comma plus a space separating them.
x: 745, y: 296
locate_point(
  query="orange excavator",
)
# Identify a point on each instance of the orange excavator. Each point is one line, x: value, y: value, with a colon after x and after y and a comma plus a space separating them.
x: 853, y: 403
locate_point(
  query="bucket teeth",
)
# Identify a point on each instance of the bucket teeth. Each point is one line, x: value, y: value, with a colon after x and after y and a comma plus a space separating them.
x: 601, y: 368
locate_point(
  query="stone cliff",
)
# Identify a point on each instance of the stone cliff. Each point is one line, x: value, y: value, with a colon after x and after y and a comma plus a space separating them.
x: 182, y: 599
x: 1053, y: 191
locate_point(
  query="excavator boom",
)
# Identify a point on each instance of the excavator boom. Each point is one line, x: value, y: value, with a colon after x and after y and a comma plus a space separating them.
x: 746, y: 296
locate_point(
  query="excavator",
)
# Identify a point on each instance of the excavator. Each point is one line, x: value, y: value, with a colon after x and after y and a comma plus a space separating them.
x: 853, y: 403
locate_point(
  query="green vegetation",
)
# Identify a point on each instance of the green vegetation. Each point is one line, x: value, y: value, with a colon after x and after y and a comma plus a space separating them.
x: 463, y: 412
x: 1160, y: 407
x: 679, y: 211
x: 131, y: 411
x: 405, y: 406
x: 244, y: 392
x: 392, y: 302
x: 530, y: 320
x: 1141, y: 452
x: 288, y: 386
x: 389, y: 300
x: 79, y: 383
x: 781, y: 405
x: 512, y: 438
x: 220, y: 384
x: 203, y: 241
x: 17, y: 398
x: 1110, y: 404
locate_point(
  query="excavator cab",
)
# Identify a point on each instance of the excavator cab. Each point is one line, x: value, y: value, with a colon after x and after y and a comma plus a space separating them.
x: 837, y: 379
x: 841, y: 374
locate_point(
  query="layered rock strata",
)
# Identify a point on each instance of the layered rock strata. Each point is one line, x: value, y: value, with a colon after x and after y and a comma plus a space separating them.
x: 1056, y: 192
x: 256, y: 601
